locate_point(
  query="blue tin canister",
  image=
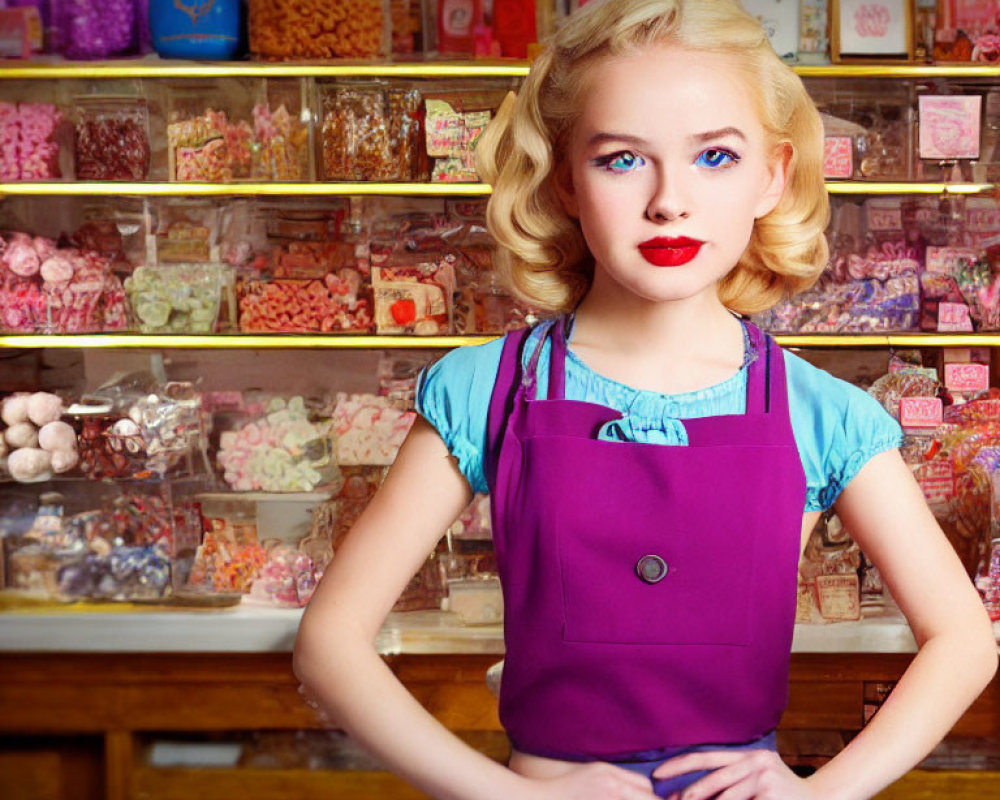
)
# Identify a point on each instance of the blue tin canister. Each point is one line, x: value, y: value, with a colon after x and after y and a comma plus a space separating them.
x: 208, y: 29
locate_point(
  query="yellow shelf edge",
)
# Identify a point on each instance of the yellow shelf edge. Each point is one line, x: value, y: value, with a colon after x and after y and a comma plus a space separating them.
x: 897, y: 71
x: 153, y: 67
x: 889, y: 340
x: 191, y: 189
x: 235, y: 341
x: 863, y: 187
x: 124, y: 341
x: 355, y: 188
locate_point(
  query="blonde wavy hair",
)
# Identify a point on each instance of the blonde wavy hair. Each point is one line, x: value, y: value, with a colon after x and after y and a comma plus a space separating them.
x: 542, y: 254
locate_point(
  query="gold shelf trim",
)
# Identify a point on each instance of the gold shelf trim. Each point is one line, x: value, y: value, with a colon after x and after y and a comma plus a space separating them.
x: 276, y: 189
x: 343, y: 189
x: 236, y: 341
x: 125, y: 341
x: 897, y: 71
x: 153, y: 67
x: 890, y: 340
x: 157, y: 68
x: 863, y: 187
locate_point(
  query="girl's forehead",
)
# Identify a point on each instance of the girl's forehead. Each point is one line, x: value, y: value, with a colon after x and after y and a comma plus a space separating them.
x: 668, y: 84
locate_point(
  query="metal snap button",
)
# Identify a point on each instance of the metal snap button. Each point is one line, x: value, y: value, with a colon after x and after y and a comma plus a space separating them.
x: 651, y: 569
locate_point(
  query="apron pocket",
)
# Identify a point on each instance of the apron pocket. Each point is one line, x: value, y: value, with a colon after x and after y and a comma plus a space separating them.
x: 666, y: 587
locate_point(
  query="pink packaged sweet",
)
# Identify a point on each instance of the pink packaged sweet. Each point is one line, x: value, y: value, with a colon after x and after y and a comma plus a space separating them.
x: 369, y: 429
x: 338, y: 303
x: 29, y: 149
x: 414, y: 298
x: 48, y: 289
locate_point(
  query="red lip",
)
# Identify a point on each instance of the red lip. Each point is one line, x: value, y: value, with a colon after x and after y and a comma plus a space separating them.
x: 670, y: 251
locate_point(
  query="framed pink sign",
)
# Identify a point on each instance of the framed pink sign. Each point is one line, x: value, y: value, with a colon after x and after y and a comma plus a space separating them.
x: 949, y: 126
x: 871, y: 30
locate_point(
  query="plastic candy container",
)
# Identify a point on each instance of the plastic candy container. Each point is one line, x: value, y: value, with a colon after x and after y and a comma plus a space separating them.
x: 28, y: 147
x: 208, y: 146
x: 282, y: 450
x: 280, y: 150
x: 287, y: 578
x: 46, y: 289
x: 195, y: 28
x: 112, y: 139
x: 96, y: 28
x: 140, y: 432
x: 339, y: 302
x: 284, y: 29
x: 370, y: 430
x: 177, y: 298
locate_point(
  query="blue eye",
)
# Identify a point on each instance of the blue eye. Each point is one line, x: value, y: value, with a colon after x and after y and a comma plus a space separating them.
x: 624, y: 161
x: 714, y: 158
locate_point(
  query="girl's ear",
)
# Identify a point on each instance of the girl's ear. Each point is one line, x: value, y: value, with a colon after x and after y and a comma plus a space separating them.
x: 562, y: 182
x: 774, y: 187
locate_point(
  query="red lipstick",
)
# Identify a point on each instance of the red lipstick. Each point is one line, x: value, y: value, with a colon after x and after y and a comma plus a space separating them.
x: 670, y: 251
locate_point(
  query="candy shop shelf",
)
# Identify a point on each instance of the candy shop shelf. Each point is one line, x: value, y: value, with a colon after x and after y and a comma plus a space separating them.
x: 237, y: 341
x: 153, y: 67
x: 359, y: 188
x: 869, y: 187
x: 279, y: 341
x: 889, y: 339
x: 251, y: 628
x: 277, y: 189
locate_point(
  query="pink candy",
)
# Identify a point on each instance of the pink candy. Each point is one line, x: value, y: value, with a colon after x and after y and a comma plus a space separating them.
x: 28, y: 150
x: 56, y: 270
x: 45, y: 289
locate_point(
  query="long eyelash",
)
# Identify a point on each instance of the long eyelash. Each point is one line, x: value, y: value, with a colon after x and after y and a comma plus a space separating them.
x: 604, y: 161
x: 733, y: 155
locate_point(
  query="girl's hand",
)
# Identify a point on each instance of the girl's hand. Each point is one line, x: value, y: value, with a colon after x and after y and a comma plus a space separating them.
x: 597, y: 781
x: 737, y: 775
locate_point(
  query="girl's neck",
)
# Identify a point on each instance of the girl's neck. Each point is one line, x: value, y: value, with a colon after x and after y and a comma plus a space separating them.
x: 668, y: 347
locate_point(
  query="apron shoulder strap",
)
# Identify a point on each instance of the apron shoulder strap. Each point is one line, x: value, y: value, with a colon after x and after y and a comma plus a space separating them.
x: 505, y: 388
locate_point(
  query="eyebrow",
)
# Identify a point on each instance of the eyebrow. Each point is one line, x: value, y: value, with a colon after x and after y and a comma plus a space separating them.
x: 604, y: 137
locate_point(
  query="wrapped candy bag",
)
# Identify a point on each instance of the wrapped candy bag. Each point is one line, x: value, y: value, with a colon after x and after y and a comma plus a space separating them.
x: 286, y: 448
x: 369, y: 429
x: 135, y: 428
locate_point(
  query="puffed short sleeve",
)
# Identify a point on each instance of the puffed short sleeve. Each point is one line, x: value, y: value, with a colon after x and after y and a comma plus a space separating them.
x: 838, y: 428
x: 453, y: 395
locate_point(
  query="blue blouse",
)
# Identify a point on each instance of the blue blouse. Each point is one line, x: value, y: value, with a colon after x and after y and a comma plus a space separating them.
x: 838, y: 427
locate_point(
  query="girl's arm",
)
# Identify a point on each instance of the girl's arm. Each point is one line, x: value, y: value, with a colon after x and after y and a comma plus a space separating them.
x: 885, y: 511
x: 336, y: 660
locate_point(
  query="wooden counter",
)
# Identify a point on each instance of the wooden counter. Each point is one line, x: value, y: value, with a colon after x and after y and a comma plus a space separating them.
x: 83, y: 725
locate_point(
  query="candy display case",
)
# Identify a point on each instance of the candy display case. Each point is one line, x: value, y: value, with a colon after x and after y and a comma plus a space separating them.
x: 316, y: 295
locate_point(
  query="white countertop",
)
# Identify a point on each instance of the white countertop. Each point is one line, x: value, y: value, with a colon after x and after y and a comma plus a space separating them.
x: 249, y: 628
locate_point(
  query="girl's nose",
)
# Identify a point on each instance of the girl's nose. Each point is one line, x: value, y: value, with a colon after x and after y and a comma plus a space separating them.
x: 667, y: 202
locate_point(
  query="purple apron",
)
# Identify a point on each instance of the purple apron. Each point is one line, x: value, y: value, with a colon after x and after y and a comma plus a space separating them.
x: 649, y: 589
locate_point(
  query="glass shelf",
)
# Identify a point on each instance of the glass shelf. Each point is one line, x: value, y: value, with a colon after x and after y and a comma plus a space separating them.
x: 352, y: 342
x: 358, y: 188
x: 867, y: 187
x: 192, y: 189
x: 221, y: 341
x: 154, y: 67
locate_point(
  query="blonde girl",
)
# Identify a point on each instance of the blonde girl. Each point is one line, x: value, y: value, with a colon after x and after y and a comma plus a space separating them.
x: 654, y: 461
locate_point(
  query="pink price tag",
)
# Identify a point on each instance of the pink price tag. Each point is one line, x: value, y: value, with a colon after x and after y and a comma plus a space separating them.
x: 838, y: 157
x: 884, y: 216
x: 920, y: 412
x: 954, y: 317
x: 937, y: 480
x: 967, y: 378
x: 945, y: 260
